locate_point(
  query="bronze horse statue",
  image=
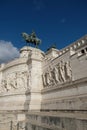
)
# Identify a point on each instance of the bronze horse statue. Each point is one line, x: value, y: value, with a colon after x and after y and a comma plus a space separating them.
x: 32, y: 38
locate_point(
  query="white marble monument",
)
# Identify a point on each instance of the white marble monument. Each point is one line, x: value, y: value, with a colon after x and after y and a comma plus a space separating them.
x: 51, y: 81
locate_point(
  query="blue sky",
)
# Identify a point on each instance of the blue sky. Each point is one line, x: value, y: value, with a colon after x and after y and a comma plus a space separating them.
x: 54, y: 21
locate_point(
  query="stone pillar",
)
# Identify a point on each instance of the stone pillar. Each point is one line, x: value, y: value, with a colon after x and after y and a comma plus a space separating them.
x: 35, y: 57
x: 36, y: 79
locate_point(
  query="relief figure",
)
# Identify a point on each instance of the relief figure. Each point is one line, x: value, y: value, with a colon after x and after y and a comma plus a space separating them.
x: 12, y: 81
x: 61, y: 72
x: 21, y: 80
x: 52, y: 77
x: 4, y: 86
x: 47, y: 75
x: 56, y: 74
x: 68, y: 71
x: 44, y: 79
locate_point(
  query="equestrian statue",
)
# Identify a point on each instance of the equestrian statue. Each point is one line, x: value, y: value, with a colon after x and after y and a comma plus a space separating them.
x: 32, y: 38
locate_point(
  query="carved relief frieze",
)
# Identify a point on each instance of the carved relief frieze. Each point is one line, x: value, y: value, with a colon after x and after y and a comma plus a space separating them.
x: 3, y: 86
x: 60, y: 73
x: 15, y: 81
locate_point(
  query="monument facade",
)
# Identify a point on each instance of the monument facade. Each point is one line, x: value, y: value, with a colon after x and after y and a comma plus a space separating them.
x: 45, y: 91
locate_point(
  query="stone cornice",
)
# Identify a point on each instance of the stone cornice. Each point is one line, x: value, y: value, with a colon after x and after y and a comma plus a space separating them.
x: 75, y: 45
x: 63, y: 86
x: 14, y: 93
x: 60, y: 114
x: 28, y: 48
x: 15, y: 63
x: 72, y: 49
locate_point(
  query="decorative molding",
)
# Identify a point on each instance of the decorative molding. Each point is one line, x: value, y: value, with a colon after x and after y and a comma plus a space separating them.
x: 63, y: 86
x: 15, y: 62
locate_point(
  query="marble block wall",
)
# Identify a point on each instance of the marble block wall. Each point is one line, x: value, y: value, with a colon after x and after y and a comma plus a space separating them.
x: 21, y: 81
x: 48, y: 82
x: 53, y: 80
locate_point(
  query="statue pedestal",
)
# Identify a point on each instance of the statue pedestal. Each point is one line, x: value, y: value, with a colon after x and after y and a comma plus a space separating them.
x: 34, y: 62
